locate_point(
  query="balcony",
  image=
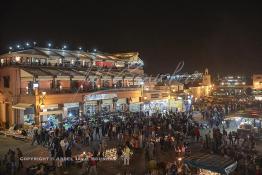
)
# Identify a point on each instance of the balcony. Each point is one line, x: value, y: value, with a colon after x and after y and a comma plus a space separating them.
x: 72, y: 66
x: 24, y: 91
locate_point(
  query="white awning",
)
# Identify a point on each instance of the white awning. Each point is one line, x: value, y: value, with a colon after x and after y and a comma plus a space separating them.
x: 79, y: 78
x: 22, y: 106
x: 51, y: 112
x: 44, y: 78
x: 62, y: 78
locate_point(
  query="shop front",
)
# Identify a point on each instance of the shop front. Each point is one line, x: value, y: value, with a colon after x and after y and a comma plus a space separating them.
x: 107, y: 105
x: 121, y: 105
x: 135, y: 107
x: 24, y: 113
x: 176, y: 105
x: 90, y: 108
x: 98, y: 103
x: 156, y: 106
x: 51, y: 116
x: 71, y: 109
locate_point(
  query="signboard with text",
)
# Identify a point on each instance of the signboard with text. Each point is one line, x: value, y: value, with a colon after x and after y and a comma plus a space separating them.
x: 99, y: 97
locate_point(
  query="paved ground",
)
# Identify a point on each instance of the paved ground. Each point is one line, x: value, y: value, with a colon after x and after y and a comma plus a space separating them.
x: 137, y: 163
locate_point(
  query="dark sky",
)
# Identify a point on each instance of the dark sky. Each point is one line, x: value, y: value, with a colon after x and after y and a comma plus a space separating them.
x: 226, y: 38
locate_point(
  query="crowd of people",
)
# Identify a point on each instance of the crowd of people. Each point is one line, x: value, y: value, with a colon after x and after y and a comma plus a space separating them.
x: 155, y: 134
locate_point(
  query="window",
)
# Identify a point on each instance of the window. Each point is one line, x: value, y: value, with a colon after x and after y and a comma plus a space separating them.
x: 6, y: 81
x: 154, y: 95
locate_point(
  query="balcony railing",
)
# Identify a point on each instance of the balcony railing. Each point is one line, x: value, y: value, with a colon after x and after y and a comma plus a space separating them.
x: 24, y: 91
x: 73, y: 66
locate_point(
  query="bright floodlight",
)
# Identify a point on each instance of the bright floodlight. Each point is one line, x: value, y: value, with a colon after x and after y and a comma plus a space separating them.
x: 64, y: 47
x: 18, y: 46
x: 94, y: 50
x: 10, y: 48
x: 80, y: 48
x: 49, y: 44
x: 34, y: 43
x: 27, y: 44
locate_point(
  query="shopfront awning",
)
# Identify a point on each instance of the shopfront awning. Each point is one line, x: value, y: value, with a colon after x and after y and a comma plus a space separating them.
x: 22, y: 106
x: 51, y: 112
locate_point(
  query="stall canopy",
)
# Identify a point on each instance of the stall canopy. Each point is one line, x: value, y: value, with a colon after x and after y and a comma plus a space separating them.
x: 212, y: 162
x: 22, y: 106
x: 51, y: 112
x: 247, y: 113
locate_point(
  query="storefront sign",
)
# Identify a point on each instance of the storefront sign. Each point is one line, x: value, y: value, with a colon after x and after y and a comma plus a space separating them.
x: 71, y: 105
x: 53, y: 106
x: 120, y: 64
x: 51, y: 112
x: 99, y: 96
x: 134, y: 100
x: 91, y: 103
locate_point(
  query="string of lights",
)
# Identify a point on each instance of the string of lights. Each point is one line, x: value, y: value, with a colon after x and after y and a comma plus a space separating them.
x: 28, y: 45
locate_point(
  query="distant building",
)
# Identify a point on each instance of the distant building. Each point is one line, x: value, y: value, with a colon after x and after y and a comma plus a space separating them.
x: 206, y: 78
x: 257, y: 81
x: 231, y: 85
x: 202, y: 87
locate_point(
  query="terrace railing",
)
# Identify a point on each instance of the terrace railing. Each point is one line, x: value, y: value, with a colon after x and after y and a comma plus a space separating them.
x: 24, y: 91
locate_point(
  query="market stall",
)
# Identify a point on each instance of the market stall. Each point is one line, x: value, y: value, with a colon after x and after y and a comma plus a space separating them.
x: 209, y: 164
x: 246, y: 122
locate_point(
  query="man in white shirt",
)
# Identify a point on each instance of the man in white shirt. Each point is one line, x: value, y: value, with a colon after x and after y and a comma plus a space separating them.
x: 64, y: 144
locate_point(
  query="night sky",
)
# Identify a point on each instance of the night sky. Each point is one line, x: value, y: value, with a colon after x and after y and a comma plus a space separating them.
x: 226, y: 38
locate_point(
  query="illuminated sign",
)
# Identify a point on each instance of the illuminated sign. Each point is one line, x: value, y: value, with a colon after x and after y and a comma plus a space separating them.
x: 35, y: 85
x: 99, y: 97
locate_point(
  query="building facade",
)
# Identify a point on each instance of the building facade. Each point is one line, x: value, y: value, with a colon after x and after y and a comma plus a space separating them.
x: 42, y: 84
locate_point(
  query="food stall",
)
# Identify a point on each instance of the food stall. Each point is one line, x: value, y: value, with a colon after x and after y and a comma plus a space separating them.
x: 246, y: 122
x: 210, y: 164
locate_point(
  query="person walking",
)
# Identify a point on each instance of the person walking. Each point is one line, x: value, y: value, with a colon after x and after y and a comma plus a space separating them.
x: 230, y: 137
x: 97, y: 133
x: 19, y: 155
x: 35, y: 136
x: 92, y: 166
x: 119, y: 153
x: 68, y: 154
x: 197, y: 133
x: 127, y: 153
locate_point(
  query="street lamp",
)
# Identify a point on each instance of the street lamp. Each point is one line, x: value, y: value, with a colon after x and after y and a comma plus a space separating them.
x: 41, y: 100
x: 49, y: 45
x: 142, y: 88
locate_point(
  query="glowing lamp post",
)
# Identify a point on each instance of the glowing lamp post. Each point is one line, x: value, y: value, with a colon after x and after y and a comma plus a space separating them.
x: 42, y: 100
